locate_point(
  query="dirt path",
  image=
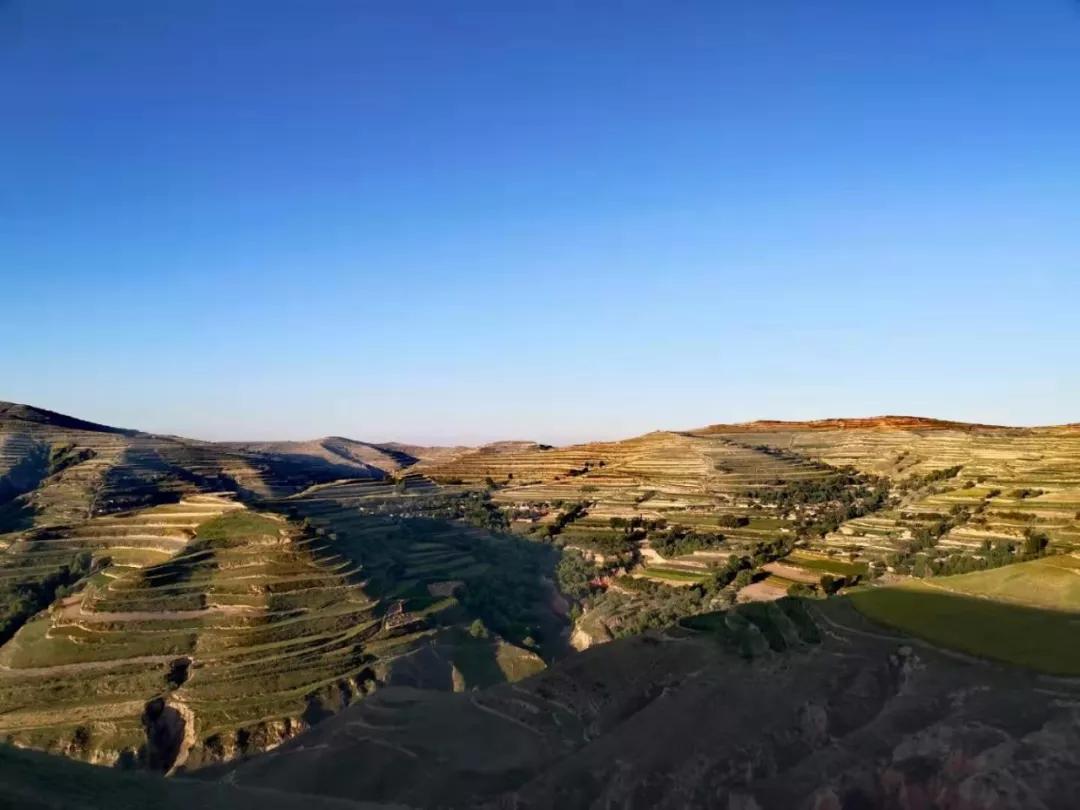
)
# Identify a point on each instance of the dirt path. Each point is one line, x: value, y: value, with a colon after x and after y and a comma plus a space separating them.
x: 88, y: 666
x: 74, y: 611
x: 760, y: 592
x: 503, y: 716
x: 793, y: 573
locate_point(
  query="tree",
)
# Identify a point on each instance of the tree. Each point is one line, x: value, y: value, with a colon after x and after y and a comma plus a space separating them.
x: 477, y: 629
x: 574, y: 573
x: 744, y: 578
x: 1035, y: 542
x: 831, y: 584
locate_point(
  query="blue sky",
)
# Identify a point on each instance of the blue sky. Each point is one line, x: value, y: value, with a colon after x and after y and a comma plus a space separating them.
x: 457, y: 222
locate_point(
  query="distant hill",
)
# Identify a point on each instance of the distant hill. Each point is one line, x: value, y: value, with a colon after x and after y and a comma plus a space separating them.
x: 182, y: 605
x: 254, y: 586
x: 423, y: 453
x: 858, y: 423
x: 14, y: 412
x: 349, y: 454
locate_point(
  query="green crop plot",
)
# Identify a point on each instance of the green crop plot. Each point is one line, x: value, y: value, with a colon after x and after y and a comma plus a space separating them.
x: 240, y: 526
x: 1051, y: 582
x: 1038, y: 639
x: 826, y: 565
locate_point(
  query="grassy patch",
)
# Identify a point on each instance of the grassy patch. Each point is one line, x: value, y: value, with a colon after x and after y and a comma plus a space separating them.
x: 1050, y: 582
x: 675, y: 574
x: 1043, y: 640
x: 782, y: 624
x: 826, y: 565
x: 237, y: 527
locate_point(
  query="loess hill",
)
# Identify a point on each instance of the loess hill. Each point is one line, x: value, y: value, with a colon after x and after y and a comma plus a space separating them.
x: 827, y: 609
x: 168, y: 603
x: 789, y: 704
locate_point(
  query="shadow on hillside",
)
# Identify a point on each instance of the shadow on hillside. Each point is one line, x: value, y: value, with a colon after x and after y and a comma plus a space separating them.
x: 1032, y: 638
x: 16, y: 516
x: 497, y: 577
x: 26, y: 475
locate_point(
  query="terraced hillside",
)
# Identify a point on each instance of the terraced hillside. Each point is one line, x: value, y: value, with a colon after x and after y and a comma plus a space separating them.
x: 792, y: 704
x: 55, y: 469
x: 676, y: 509
x: 232, y: 631
x: 666, y: 524
x: 426, y: 545
x: 990, y: 485
x: 37, y: 565
x: 783, y: 705
x: 771, y: 508
x: 173, y: 604
x: 131, y: 633
x: 700, y: 483
x: 356, y: 459
x: 61, y: 477
x: 151, y: 618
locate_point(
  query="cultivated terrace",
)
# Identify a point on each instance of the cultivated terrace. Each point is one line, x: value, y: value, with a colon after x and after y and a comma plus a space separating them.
x: 169, y: 604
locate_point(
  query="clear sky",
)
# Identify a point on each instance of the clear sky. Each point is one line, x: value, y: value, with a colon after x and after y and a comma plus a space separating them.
x: 462, y: 221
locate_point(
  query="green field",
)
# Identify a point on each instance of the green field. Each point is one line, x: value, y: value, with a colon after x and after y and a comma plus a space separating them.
x: 825, y: 564
x: 240, y: 526
x: 1051, y: 582
x: 1031, y: 637
x: 674, y: 574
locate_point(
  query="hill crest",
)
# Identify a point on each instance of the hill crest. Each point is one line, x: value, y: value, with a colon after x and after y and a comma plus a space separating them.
x: 14, y: 411
x: 887, y: 422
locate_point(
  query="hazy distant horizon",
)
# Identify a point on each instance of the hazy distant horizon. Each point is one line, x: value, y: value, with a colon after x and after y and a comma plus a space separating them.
x: 426, y: 438
x: 479, y: 221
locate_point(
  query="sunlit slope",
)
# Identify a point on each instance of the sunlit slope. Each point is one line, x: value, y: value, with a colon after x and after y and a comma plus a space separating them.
x: 702, y: 483
x: 1027, y: 613
x: 211, y: 631
x: 1050, y: 583
x: 1011, y: 481
x: 242, y: 628
x: 354, y: 459
x: 56, y: 469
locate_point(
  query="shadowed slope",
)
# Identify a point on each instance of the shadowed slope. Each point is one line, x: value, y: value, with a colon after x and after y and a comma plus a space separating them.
x: 34, y: 781
x: 773, y: 706
x: 14, y: 412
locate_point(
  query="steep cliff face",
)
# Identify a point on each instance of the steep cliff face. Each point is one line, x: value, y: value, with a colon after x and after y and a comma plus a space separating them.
x: 174, y: 738
x: 169, y: 734
x: 588, y: 632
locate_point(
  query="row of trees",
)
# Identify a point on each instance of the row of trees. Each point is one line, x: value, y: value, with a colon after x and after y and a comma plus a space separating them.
x: 678, y: 541
x: 19, y: 600
x: 916, y: 481
x: 930, y: 562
